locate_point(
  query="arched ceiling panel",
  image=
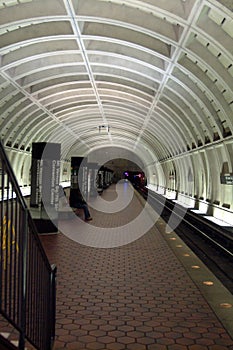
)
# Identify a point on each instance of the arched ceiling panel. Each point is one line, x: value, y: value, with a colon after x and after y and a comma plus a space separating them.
x: 157, y: 75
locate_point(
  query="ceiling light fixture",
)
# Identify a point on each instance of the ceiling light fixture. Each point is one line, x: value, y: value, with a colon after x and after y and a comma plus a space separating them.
x: 101, y: 127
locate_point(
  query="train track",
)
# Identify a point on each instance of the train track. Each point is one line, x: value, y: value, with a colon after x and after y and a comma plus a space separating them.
x: 213, y: 245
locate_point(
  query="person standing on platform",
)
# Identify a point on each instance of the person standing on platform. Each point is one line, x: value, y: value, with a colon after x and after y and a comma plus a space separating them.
x: 77, y: 202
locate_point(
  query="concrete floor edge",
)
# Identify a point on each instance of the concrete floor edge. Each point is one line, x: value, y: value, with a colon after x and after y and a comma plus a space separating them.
x: 216, y: 294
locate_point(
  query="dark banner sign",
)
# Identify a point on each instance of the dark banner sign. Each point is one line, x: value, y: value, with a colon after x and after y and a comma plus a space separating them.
x: 226, y: 179
x: 45, y: 173
x: 79, y: 178
x: 45, y: 179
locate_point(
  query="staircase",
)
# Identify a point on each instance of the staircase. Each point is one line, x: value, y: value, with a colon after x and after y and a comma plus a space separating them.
x: 27, y: 280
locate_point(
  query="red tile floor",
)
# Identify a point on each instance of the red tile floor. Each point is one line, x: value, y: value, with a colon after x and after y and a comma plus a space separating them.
x: 136, y: 296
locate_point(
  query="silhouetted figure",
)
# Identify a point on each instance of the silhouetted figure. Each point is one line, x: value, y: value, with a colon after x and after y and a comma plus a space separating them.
x: 77, y: 201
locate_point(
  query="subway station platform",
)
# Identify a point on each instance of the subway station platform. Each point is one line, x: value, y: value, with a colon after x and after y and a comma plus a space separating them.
x: 150, y: 292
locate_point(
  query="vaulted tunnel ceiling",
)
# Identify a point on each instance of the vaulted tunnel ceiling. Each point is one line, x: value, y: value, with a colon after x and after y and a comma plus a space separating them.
x: 149, y: 76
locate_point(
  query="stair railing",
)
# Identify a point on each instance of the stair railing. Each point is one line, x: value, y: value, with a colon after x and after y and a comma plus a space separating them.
x: 27, y: 280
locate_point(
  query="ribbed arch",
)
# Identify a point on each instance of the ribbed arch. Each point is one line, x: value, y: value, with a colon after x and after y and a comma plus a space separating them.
x: 18, y: 120
x: 208, y: 86
x: 174, y: 115
x: 157, y: 74
x: 202, y: 104
x: 178, y: 104
x: 164, y: 132
x: 31, y: 123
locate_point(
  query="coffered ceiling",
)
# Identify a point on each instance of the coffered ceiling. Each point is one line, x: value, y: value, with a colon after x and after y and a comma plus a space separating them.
x: 149, y: 76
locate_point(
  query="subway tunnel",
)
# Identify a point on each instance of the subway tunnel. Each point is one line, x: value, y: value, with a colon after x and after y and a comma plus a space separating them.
x: 132, y: 85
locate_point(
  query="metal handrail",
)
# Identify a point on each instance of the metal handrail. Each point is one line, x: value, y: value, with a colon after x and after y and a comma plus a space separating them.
x: 27, y: 280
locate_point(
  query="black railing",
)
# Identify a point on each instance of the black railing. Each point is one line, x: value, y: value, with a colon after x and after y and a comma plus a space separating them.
x: 27, y: 280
